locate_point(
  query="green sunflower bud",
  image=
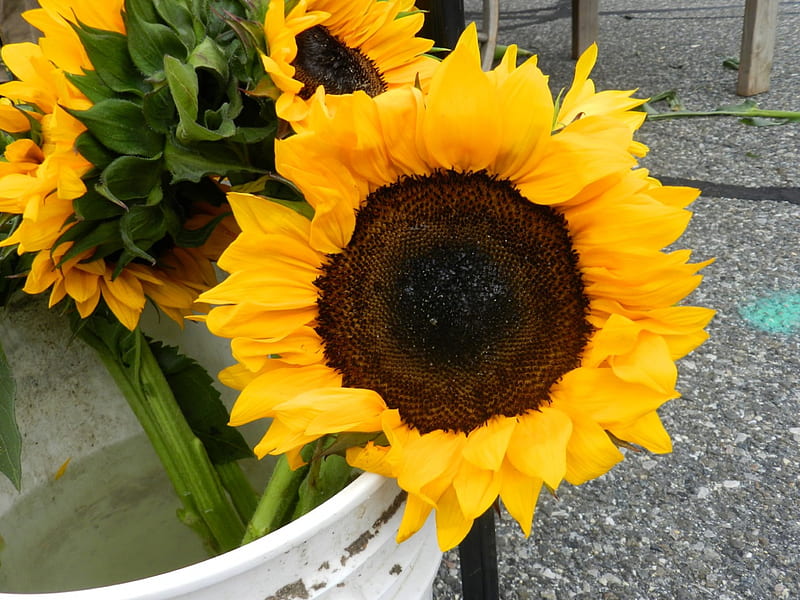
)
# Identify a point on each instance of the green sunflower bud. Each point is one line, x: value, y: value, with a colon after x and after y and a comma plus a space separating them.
x: 168, y: 114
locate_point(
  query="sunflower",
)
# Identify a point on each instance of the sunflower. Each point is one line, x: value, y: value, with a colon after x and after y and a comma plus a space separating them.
x: 42, y: 181
x: 344, y: 46
x: 485, y: 299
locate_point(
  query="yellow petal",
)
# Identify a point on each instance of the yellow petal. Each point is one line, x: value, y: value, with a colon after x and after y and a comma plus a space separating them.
x: 486, y: 445
x: 332, y: 410
x: 251, y: 320
x: 291, y: 288
x: 256, y: 214
x: 434, y: 455
x: 451, y: 524
x: 281, y: 439
x: 590, y: 452
x: 400, y: 112
x: 600, y: 395
x: 647, y: 431
x: 461, y: 93
x: 371, y: 458
x: 13, y: 120
x: 525, y: 108
x: 301, y: 347
x: 648, y: 363
x: 538, y: 447
x: 125, y: 298
x: 236, y: 376
x: 81, y: 285
x: 598, y: 144
x: 519, y: 493
x: 261, y: 395
x: 414, y: 516
x: 476, y: 489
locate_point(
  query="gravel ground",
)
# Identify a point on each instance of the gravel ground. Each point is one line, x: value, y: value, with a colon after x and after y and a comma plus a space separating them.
x: 718, y: 519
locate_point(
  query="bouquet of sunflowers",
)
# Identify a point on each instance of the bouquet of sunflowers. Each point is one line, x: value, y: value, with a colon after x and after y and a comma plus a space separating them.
x: 435, y: 273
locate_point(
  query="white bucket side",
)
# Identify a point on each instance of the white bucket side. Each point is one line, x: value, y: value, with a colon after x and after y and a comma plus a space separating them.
x: 343, y: 549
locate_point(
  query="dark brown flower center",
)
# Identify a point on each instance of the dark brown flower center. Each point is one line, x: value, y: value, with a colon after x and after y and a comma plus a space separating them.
x: 323, y: 59
x: 457, y: 300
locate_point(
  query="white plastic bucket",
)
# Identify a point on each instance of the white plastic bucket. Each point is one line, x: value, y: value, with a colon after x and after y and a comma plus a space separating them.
x: 68, y: 407
x: 343, y: 549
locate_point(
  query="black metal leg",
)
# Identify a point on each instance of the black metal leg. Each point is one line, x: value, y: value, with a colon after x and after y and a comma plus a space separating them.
x: 478, y: 554
x: 444, y: 21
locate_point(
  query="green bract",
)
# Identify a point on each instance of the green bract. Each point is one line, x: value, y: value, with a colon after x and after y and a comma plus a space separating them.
x: 170, y: 110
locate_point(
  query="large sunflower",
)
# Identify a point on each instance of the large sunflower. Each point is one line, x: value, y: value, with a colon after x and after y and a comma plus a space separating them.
x: 487, y: 296
x: 343, y: 45
x: 42, y: 181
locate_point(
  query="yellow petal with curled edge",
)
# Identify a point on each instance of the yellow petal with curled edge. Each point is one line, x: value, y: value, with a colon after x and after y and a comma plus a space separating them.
x: 646, y: 431
x: 414, y: 516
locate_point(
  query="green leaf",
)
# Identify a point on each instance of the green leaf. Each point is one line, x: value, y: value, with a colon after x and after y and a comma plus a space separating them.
x: 91, y: 86
x: 208, y: 55
x: 13, y: 266
x: 10, y: 438
x: 332, y: 475
x: 744, y: 107
x: 159, y: 110
x: 108, y: 52
x: 193, y: 238
x: 92, y: 150
x: 143, y: 226
x: 179, y: 17
x: 732, y: 63
x: 130, y: 177
x: 35, y: 132
x: 119, y: 125
x: 183, y: 84
x: 192, y: 164
x: 762, y: 122
x: 94, y: 207
x: 149, y: 41
x: 86, y: 235
x: 346, y: 440
x: 201, y: 405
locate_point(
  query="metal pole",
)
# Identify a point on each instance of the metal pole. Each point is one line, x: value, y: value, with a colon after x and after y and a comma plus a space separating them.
x: 478, y: 554
x: 444, y: 21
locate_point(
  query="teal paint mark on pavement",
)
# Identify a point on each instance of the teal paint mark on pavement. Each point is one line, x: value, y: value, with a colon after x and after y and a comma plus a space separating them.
x: 776, y: 313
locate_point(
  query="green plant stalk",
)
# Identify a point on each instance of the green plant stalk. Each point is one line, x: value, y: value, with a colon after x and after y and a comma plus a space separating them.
x: 242, y: 494
x: 310, y: 499
x: 277, y: 502
x: 756, y: 112
x: 182, y: 454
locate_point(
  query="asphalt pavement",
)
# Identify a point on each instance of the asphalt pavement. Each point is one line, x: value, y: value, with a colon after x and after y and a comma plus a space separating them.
x: 719, y: 517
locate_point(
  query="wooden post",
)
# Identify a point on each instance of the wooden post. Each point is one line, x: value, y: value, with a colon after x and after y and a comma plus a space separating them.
x: 585, y: 26
x: 488, y: 34
x: 758, y: 46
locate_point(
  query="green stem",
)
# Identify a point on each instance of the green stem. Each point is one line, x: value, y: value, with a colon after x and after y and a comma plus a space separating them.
x: 239, y: 489
x: 182, y: 454
x: 309, y: 492
x: 277, y: 502
x: 768, y: 114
